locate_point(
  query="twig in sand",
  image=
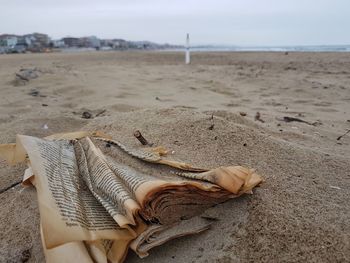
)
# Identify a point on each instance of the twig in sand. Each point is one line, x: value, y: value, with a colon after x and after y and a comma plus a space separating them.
x: 341, y: 136
x: 258, y: 117
x: 211, y: 127
x: 99, y: 113
x: 291, y: 119
x: 9, y: 187
x: 141, y: 139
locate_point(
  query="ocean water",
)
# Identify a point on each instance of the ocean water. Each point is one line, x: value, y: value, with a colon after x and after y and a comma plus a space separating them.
x: 325, y: 48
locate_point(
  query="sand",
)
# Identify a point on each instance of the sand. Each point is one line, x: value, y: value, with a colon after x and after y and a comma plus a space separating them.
x: 300, y: 213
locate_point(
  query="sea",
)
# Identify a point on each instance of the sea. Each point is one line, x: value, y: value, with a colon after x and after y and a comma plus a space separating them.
x: 321, y: 48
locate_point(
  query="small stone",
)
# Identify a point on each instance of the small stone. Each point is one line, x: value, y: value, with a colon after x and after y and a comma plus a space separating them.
x: 86, y: 115
x: 34, y: 93
x: 25, y: 255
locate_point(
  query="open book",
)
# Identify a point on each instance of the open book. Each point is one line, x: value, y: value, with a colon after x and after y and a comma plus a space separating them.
x: 98, y: 198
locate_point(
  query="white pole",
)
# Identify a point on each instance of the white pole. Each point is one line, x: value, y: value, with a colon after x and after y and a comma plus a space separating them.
x: 188, y: 59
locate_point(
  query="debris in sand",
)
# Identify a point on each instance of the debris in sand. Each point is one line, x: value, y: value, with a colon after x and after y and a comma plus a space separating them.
x: 341, y: 136
x: 86, y: 115
x: 290, y: 68
x: 25, y: 75
x: 34, y: 93
x: 10, y: 186
x: 25, y: 256
x: 176, y: 142
x: 89, y: 114
x: 211, y: 127
x: 141, y: 139
x: 258, y: 117
x: 293, y: 119
x: 242, y: 113
x: 100, y: 113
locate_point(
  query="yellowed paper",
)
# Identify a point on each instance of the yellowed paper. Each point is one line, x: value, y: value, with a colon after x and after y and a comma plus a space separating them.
x: 94, y: 205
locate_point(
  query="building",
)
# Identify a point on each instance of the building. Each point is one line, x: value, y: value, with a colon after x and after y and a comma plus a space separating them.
x: 7, y: 40
x: 120, y: 44
x: 37, y: 40
x: 24, y: 41
x: 94, y: 42
x: 58, y: 43
x: 71, y: 41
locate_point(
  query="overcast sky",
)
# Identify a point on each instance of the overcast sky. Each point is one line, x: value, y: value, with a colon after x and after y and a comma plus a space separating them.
x: 230, y: 22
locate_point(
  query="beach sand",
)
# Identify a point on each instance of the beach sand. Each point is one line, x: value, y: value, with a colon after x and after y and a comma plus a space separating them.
x: 302, y: 210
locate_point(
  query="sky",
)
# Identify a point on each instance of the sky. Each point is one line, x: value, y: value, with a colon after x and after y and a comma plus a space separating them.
x: 224, y: 22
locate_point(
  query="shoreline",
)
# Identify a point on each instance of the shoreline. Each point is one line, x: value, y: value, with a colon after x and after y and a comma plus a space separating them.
x: 173, y: 51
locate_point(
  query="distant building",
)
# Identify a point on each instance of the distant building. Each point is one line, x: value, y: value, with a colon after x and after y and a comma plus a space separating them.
x: 93, y: 41
x: 71, y: 41
x: 89, y: 42
x: 12, y: 41
x: 24, y: 41
x: 115, y: 43
x: 8, y: 40
x: 58, y: 43
x: 120, y: 44
x: 37, y: 40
